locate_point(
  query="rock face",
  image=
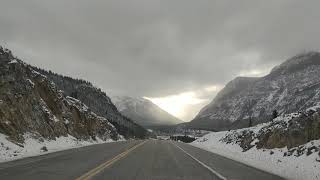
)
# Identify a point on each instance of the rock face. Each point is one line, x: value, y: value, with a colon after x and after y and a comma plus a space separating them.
x: 97, y: 101
x: 144, y: 112
x: 291, y: 131
x: 290, y: 87
x: 31, y: 103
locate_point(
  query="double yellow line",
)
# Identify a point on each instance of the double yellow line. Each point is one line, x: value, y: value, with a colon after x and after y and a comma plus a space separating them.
x: 104, y: 165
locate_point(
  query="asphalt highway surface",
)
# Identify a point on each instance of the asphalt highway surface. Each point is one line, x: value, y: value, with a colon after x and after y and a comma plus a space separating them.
x: 132, y: 160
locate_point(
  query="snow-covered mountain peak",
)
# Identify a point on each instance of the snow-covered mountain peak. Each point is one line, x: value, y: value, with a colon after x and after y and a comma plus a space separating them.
x: 290, y: 87
x: 238, y: 84
x: 143, y: 111
x: 124, y: 102
x: 298, y: 62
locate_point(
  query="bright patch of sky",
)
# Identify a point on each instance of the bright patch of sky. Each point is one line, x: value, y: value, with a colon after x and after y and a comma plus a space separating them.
x: 186, y: 105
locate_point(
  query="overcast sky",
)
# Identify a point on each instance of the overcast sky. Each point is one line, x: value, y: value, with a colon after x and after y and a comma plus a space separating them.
x: 178, y: 53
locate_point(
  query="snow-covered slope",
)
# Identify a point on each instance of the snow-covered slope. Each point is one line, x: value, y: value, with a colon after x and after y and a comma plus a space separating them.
x: 289, y: 146
x: 290, y: 87
x: 143, y: 111
x: 35, y: 146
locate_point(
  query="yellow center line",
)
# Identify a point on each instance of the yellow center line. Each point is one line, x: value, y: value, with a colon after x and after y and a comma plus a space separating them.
x: 108, y: 163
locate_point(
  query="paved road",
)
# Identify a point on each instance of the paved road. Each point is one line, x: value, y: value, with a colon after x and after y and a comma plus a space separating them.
x: 132, y: 160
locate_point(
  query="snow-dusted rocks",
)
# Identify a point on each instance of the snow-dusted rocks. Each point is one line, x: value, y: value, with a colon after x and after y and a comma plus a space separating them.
x: 289, y: 146
x: 290, y: 87
x: 31, y: 103
x: 97, y: 101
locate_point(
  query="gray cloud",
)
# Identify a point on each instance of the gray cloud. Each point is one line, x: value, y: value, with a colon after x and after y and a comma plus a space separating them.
x: 158, y: 47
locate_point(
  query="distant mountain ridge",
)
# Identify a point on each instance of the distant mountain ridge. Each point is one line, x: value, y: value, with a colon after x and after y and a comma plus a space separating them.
x: 292, y: 86
x: 144, y: 112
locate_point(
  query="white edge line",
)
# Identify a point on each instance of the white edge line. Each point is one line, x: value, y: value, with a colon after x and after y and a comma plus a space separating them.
x: 202, y: 164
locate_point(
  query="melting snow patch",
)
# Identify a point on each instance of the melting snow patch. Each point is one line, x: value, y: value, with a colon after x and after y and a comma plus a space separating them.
x: 314, y: 108
x: 30, y: 82
x: 55, y: 119
x: 13, y: 61
x: 77, y: 103
x: 66, y: 121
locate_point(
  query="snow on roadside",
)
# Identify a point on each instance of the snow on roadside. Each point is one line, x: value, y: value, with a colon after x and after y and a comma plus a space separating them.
x: 270, y: 160
x: 34, y: 147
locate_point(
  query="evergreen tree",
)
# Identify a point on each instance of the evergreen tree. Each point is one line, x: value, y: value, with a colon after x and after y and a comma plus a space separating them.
x: 275, y: 114
x: 250, y: 121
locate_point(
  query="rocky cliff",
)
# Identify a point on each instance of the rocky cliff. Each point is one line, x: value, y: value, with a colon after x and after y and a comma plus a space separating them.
x: 31, y: 103
x: 290, y: 130
x: 97, y: 101
x: 290, y: 87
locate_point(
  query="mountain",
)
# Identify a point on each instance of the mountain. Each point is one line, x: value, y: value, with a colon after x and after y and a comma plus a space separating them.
x: 290, y: 87
x: 97, y: 101
x: 31, y: 103
x: 144, y: 112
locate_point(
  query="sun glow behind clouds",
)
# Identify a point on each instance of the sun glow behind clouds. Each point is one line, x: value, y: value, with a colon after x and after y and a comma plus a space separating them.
x: 187, y: 104
x: 177, y: 104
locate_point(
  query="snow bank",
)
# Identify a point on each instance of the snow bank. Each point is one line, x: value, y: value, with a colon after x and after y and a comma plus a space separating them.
x: 292, y: 167
x: 34, y: 147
